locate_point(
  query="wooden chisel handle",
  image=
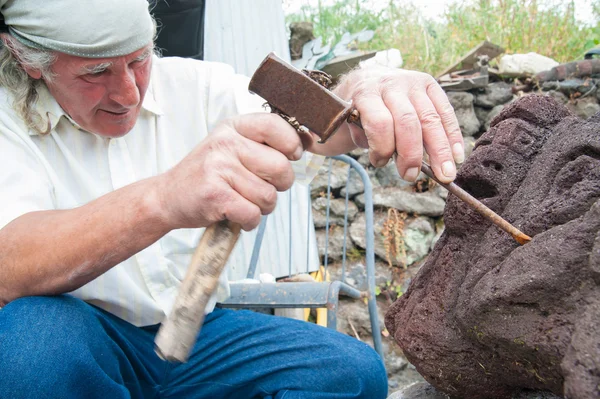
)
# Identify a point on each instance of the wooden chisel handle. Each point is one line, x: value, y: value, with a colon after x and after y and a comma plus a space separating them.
x: 178, y: 333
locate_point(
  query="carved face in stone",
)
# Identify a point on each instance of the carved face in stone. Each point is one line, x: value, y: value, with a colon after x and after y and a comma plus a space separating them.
x: 486, y: 316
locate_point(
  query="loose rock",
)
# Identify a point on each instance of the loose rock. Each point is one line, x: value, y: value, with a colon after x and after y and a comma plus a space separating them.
x: 426, y: 204
x: 494, y: 94
x: 462, y: 103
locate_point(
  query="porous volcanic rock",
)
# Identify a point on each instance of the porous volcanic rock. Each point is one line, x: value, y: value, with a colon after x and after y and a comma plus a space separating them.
x: 486, y: 317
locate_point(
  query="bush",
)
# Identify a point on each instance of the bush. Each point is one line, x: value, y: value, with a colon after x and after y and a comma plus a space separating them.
x: 520, y: 26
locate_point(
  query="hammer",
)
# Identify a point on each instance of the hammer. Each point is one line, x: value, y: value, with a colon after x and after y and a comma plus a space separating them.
x: 305, y: 102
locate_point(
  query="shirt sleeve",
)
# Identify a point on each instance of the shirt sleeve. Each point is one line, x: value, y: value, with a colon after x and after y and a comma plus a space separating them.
x: 24, y: 184
x: 228, y: 96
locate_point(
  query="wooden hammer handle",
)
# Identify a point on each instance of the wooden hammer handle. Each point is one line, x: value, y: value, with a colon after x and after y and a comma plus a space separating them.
x: 178, y: 333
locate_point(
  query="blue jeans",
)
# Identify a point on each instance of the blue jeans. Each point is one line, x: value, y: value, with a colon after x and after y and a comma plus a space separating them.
x: 62, y: 347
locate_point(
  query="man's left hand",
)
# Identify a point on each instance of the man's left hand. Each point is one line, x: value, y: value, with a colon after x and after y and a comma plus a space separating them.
x: 402, y: 113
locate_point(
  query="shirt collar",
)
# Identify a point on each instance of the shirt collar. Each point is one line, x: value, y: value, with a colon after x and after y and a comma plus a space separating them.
x: 51, y: 112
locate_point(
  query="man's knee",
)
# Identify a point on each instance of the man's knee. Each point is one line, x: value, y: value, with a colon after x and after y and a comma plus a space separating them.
x: 351, y: 366
x: 365, y: 366
x: 42, y: 337
x: 41, y: 325
x: 47, y: 318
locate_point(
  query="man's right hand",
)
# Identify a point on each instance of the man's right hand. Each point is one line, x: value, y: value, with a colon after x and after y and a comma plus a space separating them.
x: 232, y: 174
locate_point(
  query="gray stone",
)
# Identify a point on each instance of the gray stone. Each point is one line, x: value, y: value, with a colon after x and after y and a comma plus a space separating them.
x: 354, y: 318
x: 536, y: 395
x: 439, y: 227
x: 585, y: 107
x: 356, y: 274
x: 339, y: 174
x: 482, y: 114
x: 426, y: 204
x: 418, y: 235
x: 301, y: 32
x: 571, y: 87
x: 357, y: 233
x: 358, y: 152
x: 418, y: 390
x: 469, y: 145
x: 423, y: 390
x: 334, y: 243
x: 400, y: 372
x: 494, y: 94
x: 558, y: 96
x: 396, y: 365
x: 388, y: 176
x: 355, y: 184
x: 364, y: 160
x: 440, y: 191
x: 337, y: 207
x: 416, y: 241
x: 491, y: 115
x: 462, y: 103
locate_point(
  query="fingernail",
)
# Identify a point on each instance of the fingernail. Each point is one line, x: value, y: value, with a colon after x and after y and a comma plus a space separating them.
x: 383, y: 162
x: 411, y: 174
x: 459, y: 153
x: 379, y: 163
x: 448, y: 169
x: 298, y: 153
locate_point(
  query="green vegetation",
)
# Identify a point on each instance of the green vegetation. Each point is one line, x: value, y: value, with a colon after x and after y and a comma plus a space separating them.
x: 520, y: 26
x: 355, y: 254
x: 392, y: 290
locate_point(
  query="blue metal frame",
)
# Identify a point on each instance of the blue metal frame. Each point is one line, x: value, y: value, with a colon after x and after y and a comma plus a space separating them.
x: 316, y: 295
x: 370, y: 248
x: 257, y: 245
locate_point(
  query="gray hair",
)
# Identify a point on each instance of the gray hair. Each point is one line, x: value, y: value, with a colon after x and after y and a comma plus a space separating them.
x: 14, y: 58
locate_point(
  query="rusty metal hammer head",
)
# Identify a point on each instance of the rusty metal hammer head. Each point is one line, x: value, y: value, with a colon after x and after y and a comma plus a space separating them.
x: 295, y: 94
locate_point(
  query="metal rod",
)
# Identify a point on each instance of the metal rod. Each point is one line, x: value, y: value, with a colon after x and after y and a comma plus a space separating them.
x: 257, y: 247
x: 370, y: 250
x: 492, y: 216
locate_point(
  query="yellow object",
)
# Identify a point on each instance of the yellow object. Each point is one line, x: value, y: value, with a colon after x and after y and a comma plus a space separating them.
x: 321, y: 312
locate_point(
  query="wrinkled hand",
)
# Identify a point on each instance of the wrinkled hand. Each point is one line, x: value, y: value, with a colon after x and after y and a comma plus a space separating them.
x: 403, y: 112
x: 233, y: 174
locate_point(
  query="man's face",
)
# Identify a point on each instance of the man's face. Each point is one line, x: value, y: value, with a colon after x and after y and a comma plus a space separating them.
x: 103, y: 95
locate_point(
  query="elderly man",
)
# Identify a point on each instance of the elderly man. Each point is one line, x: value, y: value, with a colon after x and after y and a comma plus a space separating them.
x: 112, y: 160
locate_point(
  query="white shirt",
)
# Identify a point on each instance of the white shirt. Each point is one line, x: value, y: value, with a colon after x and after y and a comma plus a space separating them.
x: 69, y: 167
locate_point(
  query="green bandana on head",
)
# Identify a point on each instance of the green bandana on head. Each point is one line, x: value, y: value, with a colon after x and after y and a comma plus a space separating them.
x: 84, y: 28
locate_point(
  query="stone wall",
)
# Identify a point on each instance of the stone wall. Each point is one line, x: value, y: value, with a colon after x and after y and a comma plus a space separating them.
x: 419, y: 204
x: 408, y: 216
